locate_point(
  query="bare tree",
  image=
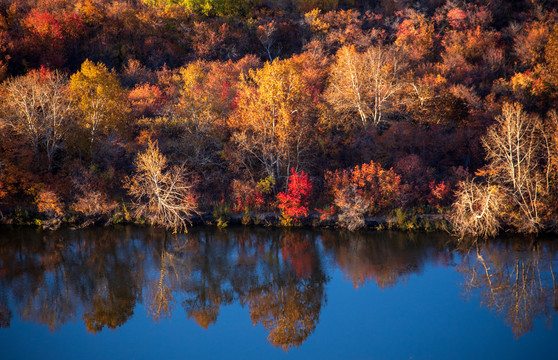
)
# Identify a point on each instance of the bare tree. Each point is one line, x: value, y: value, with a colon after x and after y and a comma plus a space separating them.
x: 160, y: 298
x: 364, y: 83
x: 514, y: 149
x: 267, y: 34
x: 477, y: 209
x: 517, y: 150
x: 38, y: 107
x: 162, y: 195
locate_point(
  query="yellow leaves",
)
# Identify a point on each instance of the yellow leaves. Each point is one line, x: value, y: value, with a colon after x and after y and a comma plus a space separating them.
x: 265, y: 185
x: 528, y: 81
x: 94, y: 80
x: 271, y: 99
x: 191, y: 76
x: 280, y: 85
x: 486, y: 172
x: 194, y: 100
x: 100, y: 98
x: 314, y: 20
x: 270, y: 121
x: 90, y: 11
x: 151, y: 161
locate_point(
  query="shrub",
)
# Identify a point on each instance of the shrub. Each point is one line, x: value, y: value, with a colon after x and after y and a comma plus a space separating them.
x: 294, y: 203
x: 250, y: 196
x: 478, y: 209
x: 48, y: 203
x: 365, y: 190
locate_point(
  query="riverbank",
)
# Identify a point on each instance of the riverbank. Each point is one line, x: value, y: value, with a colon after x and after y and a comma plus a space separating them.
x: 400, y: 220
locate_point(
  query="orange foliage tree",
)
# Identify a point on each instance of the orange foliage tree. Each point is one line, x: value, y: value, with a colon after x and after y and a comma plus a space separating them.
x: 49, y: 204
x: 366, y: 189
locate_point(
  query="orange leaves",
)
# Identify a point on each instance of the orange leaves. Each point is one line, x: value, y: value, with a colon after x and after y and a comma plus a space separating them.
x: 367, y: 189
x: 416, y: 35
x: 93, y: 203
x: 529, y: 82
x: 456, y: 18
x: 550, y: 53
x: 530, y: 44
x: 245, y: 196
x: 440, y: 193
x: 146, y: 99
x: 48, y: 203
x: 2, y: 190
x: 379, y: 187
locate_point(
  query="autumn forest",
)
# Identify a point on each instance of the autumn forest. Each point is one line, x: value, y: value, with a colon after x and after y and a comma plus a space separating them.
x: 173, y: 112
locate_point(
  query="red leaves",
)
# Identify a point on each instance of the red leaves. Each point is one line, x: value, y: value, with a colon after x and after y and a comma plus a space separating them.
x: 440, y: 194
x: 297, y: 251
x: 44, y: 25
x: 48, y: 27
x: 294, y: 203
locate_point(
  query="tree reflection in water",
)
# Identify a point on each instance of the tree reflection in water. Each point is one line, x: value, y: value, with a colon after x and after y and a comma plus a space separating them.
x: 99, y: 275
x: 385, y: 258
x: 517, y: 280
x: 288, y: 301
x: 209, y: 269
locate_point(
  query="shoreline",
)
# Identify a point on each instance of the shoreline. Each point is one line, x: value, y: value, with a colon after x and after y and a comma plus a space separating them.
x: 401, y: 221
x: 404, y: 221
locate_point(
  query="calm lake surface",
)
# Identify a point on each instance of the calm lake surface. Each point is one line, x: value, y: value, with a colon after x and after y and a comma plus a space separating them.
x: 253, y: 293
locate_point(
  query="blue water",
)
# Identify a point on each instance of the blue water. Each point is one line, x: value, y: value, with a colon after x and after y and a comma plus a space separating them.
x: 352, y: 296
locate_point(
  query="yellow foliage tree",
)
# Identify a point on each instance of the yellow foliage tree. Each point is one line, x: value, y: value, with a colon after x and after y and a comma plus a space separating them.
x: 195, y: 102
x: 100, y: 99
x: 270, y: 126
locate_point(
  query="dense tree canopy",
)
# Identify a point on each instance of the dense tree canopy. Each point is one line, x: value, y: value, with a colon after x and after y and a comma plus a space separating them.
x: 388, y: 98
